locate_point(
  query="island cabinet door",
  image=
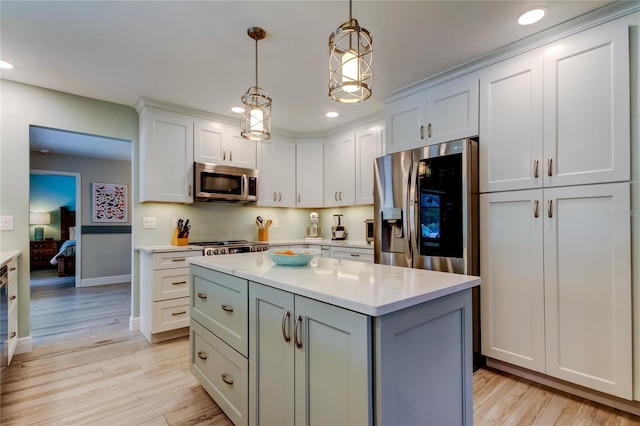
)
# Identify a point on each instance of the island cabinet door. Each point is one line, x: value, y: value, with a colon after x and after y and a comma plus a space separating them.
x: 333, y: 367
x: 271, y: 370
x: 423, y: 363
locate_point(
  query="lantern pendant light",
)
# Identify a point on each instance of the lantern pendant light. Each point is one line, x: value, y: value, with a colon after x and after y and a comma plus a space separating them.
x: 256, y: 119
x: 350, y: 57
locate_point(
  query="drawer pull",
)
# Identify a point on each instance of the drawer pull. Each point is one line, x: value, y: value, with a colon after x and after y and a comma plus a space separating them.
x: 550, y: 208
x: 535, y: 208
x: 535, y: 168
x: 550, y: 167
x: 226, y: 379
x: 422, y: 131
x: 202, y: 355
x: 227, y: 308
x: 429, y: 127
x: 355, y: 255
x: 179, y: 283
x: 285, y: 321
x: 175, y: 314
x: 178, y: 259
x: 13, y: 297
x: 296, y: 338
x: 202, y: 296
x: 13, y: 334
x: 13, y: 268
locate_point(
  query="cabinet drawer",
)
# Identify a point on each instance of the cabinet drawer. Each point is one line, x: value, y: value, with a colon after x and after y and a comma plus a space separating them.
x: 170, y: 284
x: 170, y: 314
x: 173, y: 259
x: 220, y: 303
x: 358, y: 255
x: 223, y: 372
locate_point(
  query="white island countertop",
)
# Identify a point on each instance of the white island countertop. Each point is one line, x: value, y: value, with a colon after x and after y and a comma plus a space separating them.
x: 6, y: 256
x: 366, y: 288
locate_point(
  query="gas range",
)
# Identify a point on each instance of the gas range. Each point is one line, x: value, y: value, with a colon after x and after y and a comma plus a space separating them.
x: 215, y: 248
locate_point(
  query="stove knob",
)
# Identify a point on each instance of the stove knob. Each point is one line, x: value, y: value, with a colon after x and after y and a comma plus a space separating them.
x: 224, y: 251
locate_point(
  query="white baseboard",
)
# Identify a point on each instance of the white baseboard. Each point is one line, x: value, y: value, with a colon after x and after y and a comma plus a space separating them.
x: 632, y: 407
x: 24, y: 345
x: 115, y: 279
x: 134, y: 323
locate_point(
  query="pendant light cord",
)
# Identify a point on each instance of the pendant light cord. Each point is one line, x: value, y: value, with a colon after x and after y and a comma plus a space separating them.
x: 256, y: 61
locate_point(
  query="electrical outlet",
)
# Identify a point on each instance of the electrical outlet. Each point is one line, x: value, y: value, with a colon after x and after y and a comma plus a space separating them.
x: 275, y: 223
x: 149, y: 222
x: 6, y: 223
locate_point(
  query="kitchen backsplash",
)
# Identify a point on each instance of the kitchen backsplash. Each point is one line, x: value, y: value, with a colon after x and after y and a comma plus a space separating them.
x: 225, y: 221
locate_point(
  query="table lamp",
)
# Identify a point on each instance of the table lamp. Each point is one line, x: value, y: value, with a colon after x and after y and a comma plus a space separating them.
x: 39, y: 218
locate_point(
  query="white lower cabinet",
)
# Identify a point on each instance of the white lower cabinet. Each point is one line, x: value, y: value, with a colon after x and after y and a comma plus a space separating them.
x: 556, y: 283
x: 306, y: 356
x: 164, y: 294
x: 12, y: 309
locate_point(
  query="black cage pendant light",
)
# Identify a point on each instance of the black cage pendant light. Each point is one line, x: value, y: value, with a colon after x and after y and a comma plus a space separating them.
x: 350, y: 56
x: 256, y: 118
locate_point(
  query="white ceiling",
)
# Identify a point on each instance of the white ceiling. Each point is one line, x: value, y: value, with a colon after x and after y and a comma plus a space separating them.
x: 197, y: 53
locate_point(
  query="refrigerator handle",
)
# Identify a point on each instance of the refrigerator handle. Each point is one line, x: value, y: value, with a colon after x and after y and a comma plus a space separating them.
x: 412, y: 235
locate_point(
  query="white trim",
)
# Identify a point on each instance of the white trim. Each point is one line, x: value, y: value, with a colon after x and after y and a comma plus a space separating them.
x: 134, y: 323
x: 632, y: 407
x: 24, y: 345
x: 114, y: 279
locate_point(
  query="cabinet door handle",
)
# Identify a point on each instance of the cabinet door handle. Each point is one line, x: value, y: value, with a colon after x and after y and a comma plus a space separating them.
x: 230, y: 155
x: 274, y: 196
x: 298, y: 197
x: 285, y: 322
x: 179, y: 283
x: 550, y: 166
x: 227, y: 308
x: 296, y: 337
x: 175, y: 314
x: 202, y: 355
x: 224, y: 155
x: 550, y: 208
x: 189, y: 189
x: 13, y: 334
x: 202, y: 296
x: 279, y: 196
x: 422, y: 131
x: 340, y: 195
x: 226, y: 379
x: 535, y: 168
x: 535, y: 208
x: 429, y: 127
x: 13, y: 297
x: 13, y: 268
x: 335, y: 196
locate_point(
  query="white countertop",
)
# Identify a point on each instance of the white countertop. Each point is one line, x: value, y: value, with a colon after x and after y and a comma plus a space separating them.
x: 370, y: 289
x: 161, y: 248
x: 6, y: 256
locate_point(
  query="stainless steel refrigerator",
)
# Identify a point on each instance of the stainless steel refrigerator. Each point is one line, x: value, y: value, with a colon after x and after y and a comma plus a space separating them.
x: 426, y: 212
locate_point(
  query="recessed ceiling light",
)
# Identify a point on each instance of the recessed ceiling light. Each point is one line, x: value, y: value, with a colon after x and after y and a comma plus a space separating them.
x: 5, y: 65
x: 332, y: 114
x: 532, y: 16
x: 237, y: 110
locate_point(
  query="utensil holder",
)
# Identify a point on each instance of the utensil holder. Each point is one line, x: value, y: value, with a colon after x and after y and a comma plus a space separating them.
x: 263, y: 234
x: 175, y: 241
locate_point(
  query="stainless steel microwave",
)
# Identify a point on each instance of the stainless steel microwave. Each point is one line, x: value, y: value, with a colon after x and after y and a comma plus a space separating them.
x: 214, y: 182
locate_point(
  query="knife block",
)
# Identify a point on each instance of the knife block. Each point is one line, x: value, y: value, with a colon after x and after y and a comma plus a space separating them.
x: 175, y: 241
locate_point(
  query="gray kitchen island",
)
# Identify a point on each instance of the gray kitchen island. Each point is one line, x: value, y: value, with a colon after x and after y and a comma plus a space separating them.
x: 333, y: 342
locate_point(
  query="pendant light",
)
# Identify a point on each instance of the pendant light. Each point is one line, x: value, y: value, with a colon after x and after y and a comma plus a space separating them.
x: 256, y: 119
x: 350, y: 56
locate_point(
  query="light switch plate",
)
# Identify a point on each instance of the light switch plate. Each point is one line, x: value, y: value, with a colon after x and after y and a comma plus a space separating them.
x: 6, y: 223
x: 149, y: 222
x: 275, y: 223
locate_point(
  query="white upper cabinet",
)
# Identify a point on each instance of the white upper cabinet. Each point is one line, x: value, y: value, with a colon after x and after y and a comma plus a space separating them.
x: 277, y: 172
x: 220, y: 143
x: 309, y: 174
x: 586, y: 107
x: 166, y: 156
x: 339, y: 170
x: 441, y: 113
x: 559, y: 115
x: 511, y: 124
x: 368, y: 146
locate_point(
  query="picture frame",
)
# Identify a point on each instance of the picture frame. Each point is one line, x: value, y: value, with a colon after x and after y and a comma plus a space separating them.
x: 110, y: 202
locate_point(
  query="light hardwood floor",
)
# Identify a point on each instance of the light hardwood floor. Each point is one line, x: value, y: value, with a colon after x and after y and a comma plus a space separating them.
x: 87, y: 368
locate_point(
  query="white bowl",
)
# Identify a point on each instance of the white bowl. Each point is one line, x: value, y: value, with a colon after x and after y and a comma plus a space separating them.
x: 292, y: 257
